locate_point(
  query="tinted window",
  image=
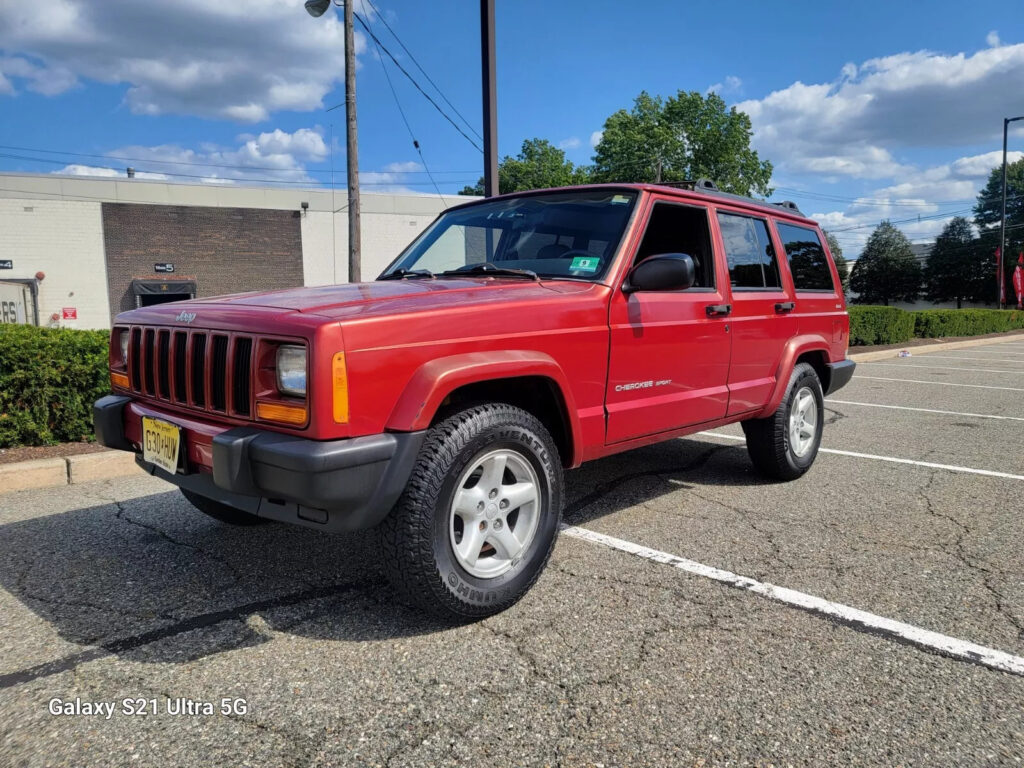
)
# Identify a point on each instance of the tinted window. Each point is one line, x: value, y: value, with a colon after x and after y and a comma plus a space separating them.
x: 749, y: 251
x: 681, y: 229
x: 807, y: 260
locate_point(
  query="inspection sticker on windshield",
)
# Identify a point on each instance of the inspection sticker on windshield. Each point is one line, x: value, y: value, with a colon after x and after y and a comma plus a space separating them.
x: 585, y: 263
x: 620, y: 199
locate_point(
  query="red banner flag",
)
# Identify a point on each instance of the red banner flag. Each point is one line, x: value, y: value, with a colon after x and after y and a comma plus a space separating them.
x: 1018, y: 280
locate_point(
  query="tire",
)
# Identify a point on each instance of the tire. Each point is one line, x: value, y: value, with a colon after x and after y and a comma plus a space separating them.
x: 222, y: 512
x: 445, y: 546
x: 784, y: 445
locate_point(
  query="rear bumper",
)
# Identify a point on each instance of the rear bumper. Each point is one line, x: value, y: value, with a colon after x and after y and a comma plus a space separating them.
x: 334, y: 485
x: 839, y: 375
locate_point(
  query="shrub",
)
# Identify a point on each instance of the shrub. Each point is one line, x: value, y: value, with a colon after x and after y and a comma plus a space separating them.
x: 940, y: 323
x: 49, y: 379
x: 880, y: 325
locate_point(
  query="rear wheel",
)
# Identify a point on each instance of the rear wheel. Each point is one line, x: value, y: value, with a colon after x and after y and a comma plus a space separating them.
x: 784, y: 445
x: 479, y: 516
x: 222, y: 512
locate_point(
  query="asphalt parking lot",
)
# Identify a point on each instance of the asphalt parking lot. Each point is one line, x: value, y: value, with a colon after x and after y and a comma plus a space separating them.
x: 618, y: 657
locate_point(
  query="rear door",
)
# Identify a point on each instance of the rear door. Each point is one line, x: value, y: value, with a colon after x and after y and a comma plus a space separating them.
x: 669, y: 358
x: 815, y: 281
x: 762, y: 303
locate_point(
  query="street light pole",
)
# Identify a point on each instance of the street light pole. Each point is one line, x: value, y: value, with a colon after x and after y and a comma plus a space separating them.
x: 317, y: 8
x: 1002, y: 223
x: 490, y: 87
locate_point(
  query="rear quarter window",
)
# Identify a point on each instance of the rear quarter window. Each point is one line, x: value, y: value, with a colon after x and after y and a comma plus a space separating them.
x: 807, y: 260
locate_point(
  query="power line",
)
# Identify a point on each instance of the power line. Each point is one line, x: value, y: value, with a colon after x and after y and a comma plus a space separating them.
x: 235, y: 166
x: 420, y: 68
x: 413, y: 81
x: 405, y: 120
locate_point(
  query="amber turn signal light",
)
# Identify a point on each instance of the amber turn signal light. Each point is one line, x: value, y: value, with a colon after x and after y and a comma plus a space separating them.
x: 281, y: 413
x: 339, y: 375
x: 119, y: 380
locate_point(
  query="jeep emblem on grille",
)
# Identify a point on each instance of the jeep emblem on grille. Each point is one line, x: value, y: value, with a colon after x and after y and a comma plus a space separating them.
x: 185, y: 317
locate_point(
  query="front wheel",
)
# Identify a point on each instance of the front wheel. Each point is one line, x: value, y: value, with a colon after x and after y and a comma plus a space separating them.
x: 477, y: 521
x: 784, y: 445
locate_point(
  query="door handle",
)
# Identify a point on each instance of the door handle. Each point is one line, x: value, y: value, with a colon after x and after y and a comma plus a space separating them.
x: 785, y: 306
x: 718, y: 310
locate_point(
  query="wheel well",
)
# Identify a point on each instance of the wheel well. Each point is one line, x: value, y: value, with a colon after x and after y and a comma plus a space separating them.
x: 817, y: 361
x: 537, y: 395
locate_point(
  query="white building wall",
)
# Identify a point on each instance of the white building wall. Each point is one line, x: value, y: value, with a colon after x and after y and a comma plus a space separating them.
x: 63, y: 239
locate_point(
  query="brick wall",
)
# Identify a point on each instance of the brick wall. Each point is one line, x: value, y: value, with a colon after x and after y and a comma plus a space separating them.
x: 226, y: 250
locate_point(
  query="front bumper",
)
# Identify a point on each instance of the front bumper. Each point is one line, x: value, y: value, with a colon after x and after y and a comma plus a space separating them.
x: 839, y: 375
x: 335, y: 485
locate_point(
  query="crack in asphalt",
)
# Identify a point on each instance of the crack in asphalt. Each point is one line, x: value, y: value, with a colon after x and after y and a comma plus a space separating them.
x: 960, y: 553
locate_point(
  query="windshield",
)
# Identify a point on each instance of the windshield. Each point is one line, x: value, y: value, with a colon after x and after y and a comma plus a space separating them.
x: 570, y: 234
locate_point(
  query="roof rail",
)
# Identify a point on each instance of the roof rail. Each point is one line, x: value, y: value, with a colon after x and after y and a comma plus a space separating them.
x: 709, y: 186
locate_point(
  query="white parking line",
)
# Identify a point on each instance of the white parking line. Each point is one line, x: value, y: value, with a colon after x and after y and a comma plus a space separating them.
x: 942, y: 383
x: 893, y: 459
x: 978, y: 359
x: 942, y: 368
x: 858, y: 619
x: 926, y: 410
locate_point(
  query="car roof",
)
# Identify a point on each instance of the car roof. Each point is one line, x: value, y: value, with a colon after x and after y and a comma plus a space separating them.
x: 701, y: 189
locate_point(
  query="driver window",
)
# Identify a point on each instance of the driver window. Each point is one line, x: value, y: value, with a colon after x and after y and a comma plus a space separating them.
x: 676, y: 228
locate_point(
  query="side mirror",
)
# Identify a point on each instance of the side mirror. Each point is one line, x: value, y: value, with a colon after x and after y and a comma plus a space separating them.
x: 664, y: 272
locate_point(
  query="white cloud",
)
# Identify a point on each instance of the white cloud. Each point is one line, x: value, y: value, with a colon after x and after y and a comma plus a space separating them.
x: 732, y: 84
x: 595, y: 138
x: 992, y: 38
x: 980, y: 166
x: 852, y: 125
x: 237, y: 61
x: 406, y: 167
x: 572, y: 142
x: 76, y: 169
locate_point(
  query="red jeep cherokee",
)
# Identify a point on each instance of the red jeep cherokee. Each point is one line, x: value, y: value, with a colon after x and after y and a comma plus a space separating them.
x: 516, y: 337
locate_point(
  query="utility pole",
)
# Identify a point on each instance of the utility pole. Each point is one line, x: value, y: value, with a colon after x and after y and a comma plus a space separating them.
x: 1002, y: 223
x: 490, y: 91
x: 317, y: 8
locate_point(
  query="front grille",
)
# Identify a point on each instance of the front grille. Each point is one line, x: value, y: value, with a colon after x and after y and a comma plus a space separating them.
x: 198, y: 369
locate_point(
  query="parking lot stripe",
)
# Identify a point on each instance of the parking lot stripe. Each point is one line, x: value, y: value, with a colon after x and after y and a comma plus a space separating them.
x: 894, y: 459
x: 926, y: 410
x: 942, y: 383
x: 979, y: 359
x: 843, y: 614
x: 942, y: 368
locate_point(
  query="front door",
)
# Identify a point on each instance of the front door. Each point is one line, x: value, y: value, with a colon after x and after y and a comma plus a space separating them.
x: 669, y: 360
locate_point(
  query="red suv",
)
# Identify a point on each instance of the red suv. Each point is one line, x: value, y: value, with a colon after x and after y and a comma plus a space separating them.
x: 517, y: 337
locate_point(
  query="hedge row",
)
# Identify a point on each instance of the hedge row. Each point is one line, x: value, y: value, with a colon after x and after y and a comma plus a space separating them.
x: 49, y: 379
x: 889, y: 325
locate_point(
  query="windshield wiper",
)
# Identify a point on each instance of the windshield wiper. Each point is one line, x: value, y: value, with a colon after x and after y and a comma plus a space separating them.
x: 402, y: 274
x: 489, y: 268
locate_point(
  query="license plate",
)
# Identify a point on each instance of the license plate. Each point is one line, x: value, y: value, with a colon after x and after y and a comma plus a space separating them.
x: 160, y: 443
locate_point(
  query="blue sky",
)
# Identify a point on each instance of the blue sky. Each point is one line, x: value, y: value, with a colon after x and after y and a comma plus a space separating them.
x: 868, y: 110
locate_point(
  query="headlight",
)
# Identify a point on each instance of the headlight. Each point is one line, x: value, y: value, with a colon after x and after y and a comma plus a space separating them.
x: 291, y: 370
x: 122, y: 339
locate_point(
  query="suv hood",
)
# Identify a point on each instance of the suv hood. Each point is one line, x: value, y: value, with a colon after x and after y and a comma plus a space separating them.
x: 351, y: 300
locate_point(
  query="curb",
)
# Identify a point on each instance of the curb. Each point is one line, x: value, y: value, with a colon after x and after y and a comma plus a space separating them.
x: 67, y: 470
x: 884, y: 354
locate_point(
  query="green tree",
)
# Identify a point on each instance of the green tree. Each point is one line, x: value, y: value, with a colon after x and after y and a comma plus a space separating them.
x: 538, y: 165
x: 687, y: 136
x: 987, y: 215
x: 956, y: 268
x: 842, y: 265
x: 886, y: 270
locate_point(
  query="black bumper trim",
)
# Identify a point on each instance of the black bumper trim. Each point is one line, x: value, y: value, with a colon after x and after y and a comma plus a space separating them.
x: 839, y: 375
x: 108, y: 422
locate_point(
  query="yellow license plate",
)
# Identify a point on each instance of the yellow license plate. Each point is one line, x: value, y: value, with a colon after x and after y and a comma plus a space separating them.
x: 160, y: 443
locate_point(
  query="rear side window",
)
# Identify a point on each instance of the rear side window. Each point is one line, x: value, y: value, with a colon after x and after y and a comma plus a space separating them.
x: 807, y: 260
x: 749, y: 251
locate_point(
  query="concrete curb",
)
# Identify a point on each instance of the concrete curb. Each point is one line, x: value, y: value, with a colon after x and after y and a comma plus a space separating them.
x: 885, y: 354
x: 66, y: 470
